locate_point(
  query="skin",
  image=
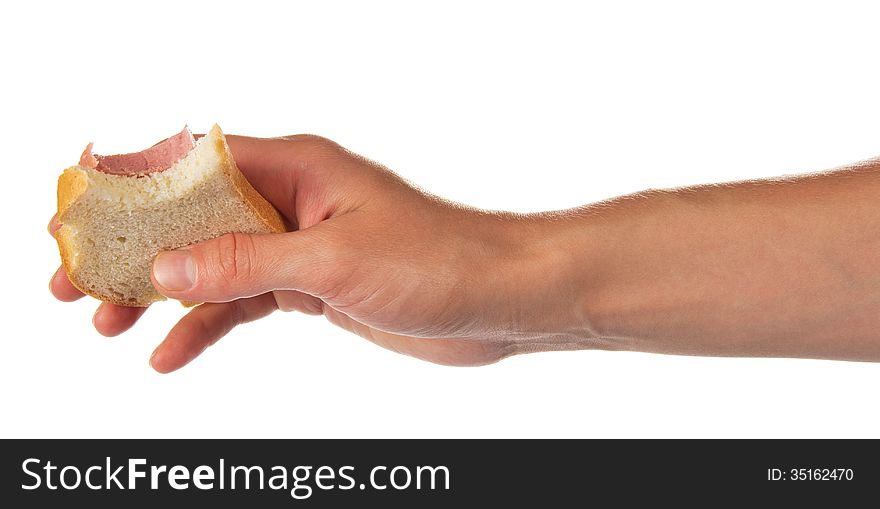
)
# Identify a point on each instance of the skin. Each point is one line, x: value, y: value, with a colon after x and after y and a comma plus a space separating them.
x: 779, y: 267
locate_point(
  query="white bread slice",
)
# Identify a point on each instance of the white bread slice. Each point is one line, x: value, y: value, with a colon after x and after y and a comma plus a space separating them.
x: 114, y: 225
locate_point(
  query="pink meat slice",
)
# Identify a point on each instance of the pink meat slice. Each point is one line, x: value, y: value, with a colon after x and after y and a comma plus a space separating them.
x: 159, y: 157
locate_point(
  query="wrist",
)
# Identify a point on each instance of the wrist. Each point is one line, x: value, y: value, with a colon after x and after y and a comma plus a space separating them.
x: 540, y: 277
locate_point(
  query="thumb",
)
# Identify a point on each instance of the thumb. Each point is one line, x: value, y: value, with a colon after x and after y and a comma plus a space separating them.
x: 239, y: 265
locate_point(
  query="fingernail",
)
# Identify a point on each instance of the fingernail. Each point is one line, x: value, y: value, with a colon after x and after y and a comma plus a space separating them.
x: 174, y: 270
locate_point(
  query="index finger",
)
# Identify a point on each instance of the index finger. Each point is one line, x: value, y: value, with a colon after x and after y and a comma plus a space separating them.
x: 53, y: 225
x: 271, y: 165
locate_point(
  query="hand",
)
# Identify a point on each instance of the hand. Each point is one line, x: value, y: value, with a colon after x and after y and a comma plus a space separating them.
x: 773, y: 268
x: 373, y: 254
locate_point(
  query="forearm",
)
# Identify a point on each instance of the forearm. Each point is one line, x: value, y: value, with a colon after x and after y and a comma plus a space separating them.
x: 788, y: 267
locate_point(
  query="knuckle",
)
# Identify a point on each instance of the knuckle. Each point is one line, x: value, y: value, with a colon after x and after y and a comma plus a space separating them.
x: 234, y: 258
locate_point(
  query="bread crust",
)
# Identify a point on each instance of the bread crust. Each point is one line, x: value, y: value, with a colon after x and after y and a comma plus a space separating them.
x: 73, y: 183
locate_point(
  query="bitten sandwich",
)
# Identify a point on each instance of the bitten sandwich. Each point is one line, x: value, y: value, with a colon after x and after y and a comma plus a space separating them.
x: 117, y: 212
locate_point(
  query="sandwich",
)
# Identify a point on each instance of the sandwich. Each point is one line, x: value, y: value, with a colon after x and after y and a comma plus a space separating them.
x: 117, y: 212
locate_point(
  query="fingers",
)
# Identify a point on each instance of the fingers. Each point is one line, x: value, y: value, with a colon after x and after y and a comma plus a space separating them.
x: 60, y: 285
x: 53, y: 225
x: 239, y: 265
x: 291, y: 300
x: 62, y: 288
x: 271, y: 166
x: 264, y: 157
x: 109, y: 319
x: 204, y: 326
x: 112, y: 320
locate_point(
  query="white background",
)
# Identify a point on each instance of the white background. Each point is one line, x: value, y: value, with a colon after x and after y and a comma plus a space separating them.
x: 519, y: 106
